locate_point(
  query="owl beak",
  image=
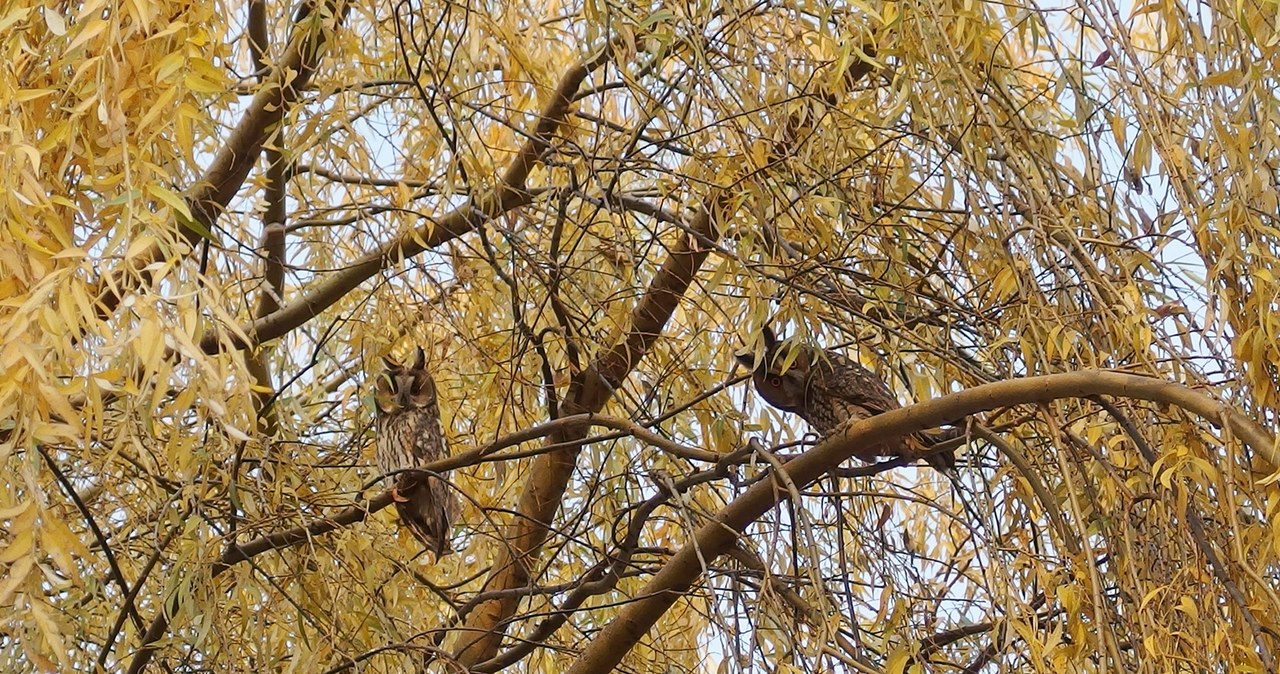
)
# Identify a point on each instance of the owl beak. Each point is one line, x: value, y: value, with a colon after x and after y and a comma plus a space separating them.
x: 402, y: 397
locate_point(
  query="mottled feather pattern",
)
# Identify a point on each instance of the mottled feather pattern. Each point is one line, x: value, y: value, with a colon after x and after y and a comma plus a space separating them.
x: 828, y: 389
x: 409, y: 436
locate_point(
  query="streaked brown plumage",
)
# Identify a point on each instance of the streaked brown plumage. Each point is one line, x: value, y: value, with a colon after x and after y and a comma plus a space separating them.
x: 409, y: 436
x: 827, y: 389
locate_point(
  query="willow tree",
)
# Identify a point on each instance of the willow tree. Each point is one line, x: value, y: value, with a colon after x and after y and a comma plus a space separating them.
x: 1054, y: 229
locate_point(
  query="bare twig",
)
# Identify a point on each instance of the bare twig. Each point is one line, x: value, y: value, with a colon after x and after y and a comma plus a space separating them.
x: 116, y: 574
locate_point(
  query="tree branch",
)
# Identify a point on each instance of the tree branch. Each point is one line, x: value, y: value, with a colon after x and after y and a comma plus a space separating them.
x: 234, y: 554
x: 510, y: 193
x: 612, y: 643
x: 479, y: 638
x: 226, y: 173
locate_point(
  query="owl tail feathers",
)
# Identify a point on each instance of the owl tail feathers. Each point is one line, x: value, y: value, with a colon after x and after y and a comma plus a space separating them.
x: 421, y: 504
x: 944, y: 461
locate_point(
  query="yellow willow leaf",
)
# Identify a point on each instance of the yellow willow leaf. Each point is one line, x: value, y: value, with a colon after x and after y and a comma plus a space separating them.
x: 59, y: 404
x: 1069, y: 595
x: 172, y: 200
x: 160, y: 107
x: 235, y: 433
x: 138, y: 245
x: 1270, y: 479
x: 70, y: 253
x: 57, y: 25
x: 898, y: 661
x: 1051, y: 342
x: 183, y: 127
x: 68, y: 308
x: 62, y: 545
x: 15, y: 14
x: 54, y: 433
x: 148, y: 344
x: 24, y: 235
x: 16, y: 510
x: 51, y: 632
x: 93, y: 29
x: 89, y: 10
x: 25, y: 95
x: 21, y: 545
x: 1187, y: 606
x: 169, y: 66
x: 142, y: 12
x: 17, y: 575
x: 201, y: 85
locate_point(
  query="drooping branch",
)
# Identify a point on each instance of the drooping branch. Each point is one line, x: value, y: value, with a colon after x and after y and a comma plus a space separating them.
x: 239, y: 553
x: 510, y: 192
x: 231, y: 165
x: 604, y: 576
x: 116, y: 574
x: 1197, y: 525
x: 612, y: 643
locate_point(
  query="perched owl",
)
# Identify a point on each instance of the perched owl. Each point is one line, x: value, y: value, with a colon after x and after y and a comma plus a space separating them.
x: 826, y: 389
x: 409, y: 436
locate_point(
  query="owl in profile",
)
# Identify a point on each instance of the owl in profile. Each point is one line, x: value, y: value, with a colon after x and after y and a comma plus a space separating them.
x: 827, y: 389
x: 409, y: 436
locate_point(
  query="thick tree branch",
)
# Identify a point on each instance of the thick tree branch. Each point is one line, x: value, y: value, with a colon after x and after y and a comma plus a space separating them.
x: 234, y: 554
x: 226, y: 173
x: 479, y: 638
x: 509, y: 193
x: 612, y: 643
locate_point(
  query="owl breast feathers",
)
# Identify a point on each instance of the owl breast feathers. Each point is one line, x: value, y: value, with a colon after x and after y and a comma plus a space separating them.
x: 409, y: 436
x: 827, y: 389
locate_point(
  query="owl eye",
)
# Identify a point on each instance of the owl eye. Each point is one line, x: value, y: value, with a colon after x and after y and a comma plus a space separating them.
x: 776, y: 382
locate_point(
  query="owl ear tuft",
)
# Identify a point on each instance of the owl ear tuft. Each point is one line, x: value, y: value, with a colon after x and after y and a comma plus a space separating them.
x: 421, y: 360
x: 770, y: 339
x: 390, y: 363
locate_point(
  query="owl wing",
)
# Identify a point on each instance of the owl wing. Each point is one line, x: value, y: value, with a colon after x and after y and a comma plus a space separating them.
x: 848, y: 381
x: 425, y: 504
x: 431, y: 504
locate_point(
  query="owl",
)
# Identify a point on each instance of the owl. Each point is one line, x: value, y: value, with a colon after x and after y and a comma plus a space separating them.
x: 827, y: 389
x: 409, y: 435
